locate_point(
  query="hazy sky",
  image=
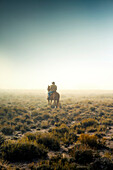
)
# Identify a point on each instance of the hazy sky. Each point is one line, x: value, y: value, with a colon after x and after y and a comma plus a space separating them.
x: 66, y: 41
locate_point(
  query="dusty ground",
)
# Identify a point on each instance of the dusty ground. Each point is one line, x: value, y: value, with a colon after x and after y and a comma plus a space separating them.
x: 25, y: 112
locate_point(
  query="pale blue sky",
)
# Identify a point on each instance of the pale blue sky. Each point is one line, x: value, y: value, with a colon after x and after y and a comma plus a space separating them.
x: 69, y: 42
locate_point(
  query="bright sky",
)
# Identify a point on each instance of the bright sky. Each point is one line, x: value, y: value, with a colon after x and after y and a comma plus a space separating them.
x: 69, y: 42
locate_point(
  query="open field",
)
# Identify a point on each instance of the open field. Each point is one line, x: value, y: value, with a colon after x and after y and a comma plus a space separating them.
x: 78, y: 135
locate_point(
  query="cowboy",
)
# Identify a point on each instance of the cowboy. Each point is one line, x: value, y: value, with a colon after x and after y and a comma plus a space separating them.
x: 53, y: 89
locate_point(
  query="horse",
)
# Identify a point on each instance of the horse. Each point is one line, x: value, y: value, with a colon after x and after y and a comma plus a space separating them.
x: 54, y: 96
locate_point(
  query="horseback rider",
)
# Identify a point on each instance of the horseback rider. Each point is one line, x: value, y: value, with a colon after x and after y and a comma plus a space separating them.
x: 53, y: 89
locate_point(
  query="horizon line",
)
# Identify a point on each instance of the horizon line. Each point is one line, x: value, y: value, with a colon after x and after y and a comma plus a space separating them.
x: 57, y: 90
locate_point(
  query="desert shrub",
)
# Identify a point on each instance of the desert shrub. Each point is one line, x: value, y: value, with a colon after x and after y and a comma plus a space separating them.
x: 108, y: 122
x: 33, y: 126
x: 55, y: 163
x: 91, y: 140
x: 101, y: 113
x: 56, y: 119
x: 80, y: 130
x: 57, y: 124
x: 7, y: 131
x: 28, y: 122
x: 21, y: 151
x: 92, y: 109
x: 67, y: 138
x: 64, y: 134
x: 23, y: 120
x: 46, y: 116
x: 2, y: 139
x: 48, y: 141
x: 91, y: 129
x: 18, y: 126
x: 27, y: 116
x: 3, y: 167
x: 72, y: 137
x: 76, y: 125
x: 108, y: 155
x: 83, y: 156
x: 3, y: 122
x: 52, y: 122
x: 60, y: 163
x: 102, y: 128
x: 82, y: 167
x: 37, y: 118
x: 44, y: 167
x: 31, y: 136
x: 44, y: 124
x: 17, y: 119
x: 20, y: 110
x: 101, y: 164
x: 24, y: 129
x: 88, y: 122
x: 62, y: 129
x: 35, y: 113
x: 2, y: 112
x: 10, y: 115
x: 12, y: 123
x: 99, y: 134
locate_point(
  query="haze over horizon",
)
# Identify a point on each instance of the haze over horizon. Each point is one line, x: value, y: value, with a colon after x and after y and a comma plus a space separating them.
x: 69, y: 42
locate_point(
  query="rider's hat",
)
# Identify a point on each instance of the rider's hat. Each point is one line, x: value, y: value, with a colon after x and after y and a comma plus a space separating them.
x: 53, y: 82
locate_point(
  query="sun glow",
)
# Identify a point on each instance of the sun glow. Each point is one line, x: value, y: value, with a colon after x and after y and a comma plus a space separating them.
x: 71, y: 47
x: 67, y: 75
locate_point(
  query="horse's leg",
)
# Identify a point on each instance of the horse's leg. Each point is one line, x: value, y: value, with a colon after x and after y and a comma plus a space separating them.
x: 54, y: 103
x: 48, y: 101
x: 57, y: 103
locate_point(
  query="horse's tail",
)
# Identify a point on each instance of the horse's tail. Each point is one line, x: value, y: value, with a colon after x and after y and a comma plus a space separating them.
x: 58, y: 100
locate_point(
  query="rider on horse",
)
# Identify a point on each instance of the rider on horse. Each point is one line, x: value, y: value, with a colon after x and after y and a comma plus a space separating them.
x: 53, y: 89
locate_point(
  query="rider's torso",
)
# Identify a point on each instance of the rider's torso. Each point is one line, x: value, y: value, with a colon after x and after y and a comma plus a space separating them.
x: 53, y: 87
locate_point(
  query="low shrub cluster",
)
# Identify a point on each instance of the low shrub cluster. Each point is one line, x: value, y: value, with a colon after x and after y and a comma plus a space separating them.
x: 88, y: 122
x: 64, y: 134
x: 83, y: 156
x: 40, y: 131
x: 87, y: 163
x: 91, y: 140
x: 22, y: 151
x: 2, y: 139
x: 102, y: 164
x: 46, y: 139
x: 49, y: 142
x: 7, y: 131
x: 56, y: 163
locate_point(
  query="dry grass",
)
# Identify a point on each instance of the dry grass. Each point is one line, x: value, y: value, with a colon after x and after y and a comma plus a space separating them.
x: 26, y: 117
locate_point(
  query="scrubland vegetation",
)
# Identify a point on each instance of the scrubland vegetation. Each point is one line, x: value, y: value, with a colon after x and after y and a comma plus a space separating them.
x: 78, y: 135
